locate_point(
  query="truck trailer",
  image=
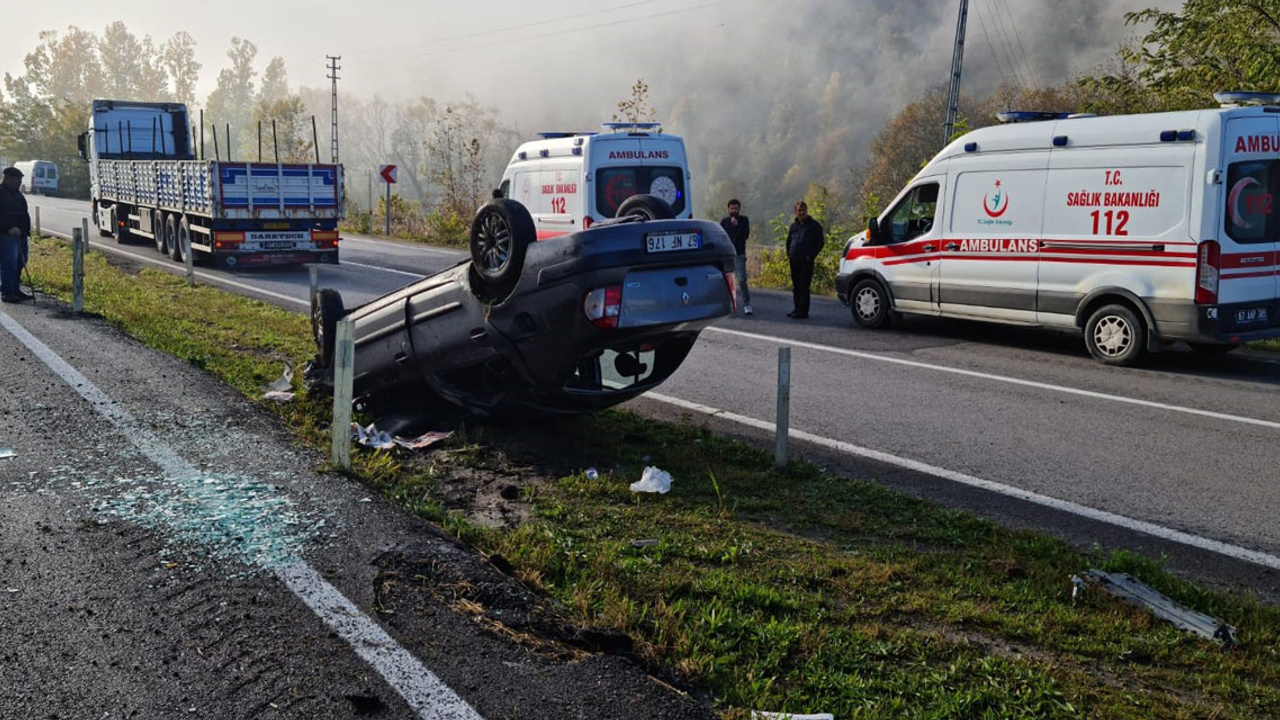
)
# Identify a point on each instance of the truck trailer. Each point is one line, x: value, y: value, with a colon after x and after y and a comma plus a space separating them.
x: 147, y: 182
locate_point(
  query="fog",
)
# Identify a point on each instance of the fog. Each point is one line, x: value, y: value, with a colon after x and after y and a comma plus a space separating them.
x: 770, y: 95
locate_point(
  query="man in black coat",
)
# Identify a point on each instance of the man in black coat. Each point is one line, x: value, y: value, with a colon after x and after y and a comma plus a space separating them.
x: 804, y: 242
x: 15, y: 227
x: 738, y: 227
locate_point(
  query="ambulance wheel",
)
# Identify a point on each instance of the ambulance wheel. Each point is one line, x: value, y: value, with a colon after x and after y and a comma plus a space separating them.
x: 648, y: 207
x: 870, y: 304
x: 326, y: 311
x: 1213, y: 348
x: 1115, y: 335
x: 500, y: 235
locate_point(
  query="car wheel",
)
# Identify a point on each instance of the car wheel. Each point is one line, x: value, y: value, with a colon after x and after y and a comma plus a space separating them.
x: 870, y: 304
x: 648, y: 207
x: 500, y: 235
x: 171, y: 238
x: 1115, y: 335
x: 1213, y: 348
x: 326, y: 311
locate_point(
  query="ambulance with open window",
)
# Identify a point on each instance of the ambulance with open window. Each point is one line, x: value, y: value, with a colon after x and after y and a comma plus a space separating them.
x: 1140, y: 230
x: 569, y: 180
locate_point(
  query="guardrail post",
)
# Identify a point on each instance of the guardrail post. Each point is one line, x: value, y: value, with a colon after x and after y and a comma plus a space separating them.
x: 344, y: 355
x: 77, y: 270
x: 784, y: 406
x: 38, y: 233
x: 190, y: 262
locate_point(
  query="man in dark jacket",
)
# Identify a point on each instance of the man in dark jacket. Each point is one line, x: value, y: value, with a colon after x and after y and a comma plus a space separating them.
x: 738, y: 227
x: 804, y: 242
x: 15, y: 227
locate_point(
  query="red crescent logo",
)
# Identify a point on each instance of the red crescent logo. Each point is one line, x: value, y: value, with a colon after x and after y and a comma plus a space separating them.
x: 994, y: 214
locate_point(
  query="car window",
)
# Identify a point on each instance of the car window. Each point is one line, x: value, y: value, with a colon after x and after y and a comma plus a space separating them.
x: 913, y: 216
x: 616, y: 184
x: 1250, y: 186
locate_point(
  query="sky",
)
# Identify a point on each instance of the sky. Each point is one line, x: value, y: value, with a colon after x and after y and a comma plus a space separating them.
x: 514, y: 51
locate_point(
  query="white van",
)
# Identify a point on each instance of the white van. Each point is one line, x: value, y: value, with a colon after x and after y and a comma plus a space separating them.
x: 38, y: 176
x: 569, y: 180
x: 1139, y: 229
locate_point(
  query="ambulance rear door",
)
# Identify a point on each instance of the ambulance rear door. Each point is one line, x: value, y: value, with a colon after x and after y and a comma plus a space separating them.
x: 1250, y: 227
x: 627, y: 164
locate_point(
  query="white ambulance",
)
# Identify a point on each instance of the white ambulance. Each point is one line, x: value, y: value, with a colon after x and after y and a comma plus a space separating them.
x: 569, y: 180
x: 1140, y: 230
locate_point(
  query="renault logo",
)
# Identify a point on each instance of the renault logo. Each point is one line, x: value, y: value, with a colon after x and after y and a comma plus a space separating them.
x: 684, y: 297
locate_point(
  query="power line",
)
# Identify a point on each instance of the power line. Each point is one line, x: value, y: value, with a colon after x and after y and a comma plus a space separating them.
x: 1005, y: 43
x: 1014, y: 24
x: 985, y: 36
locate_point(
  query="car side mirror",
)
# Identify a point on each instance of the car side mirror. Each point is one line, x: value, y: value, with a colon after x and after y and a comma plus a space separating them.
x: 874, y: 236
x: 83, y: 145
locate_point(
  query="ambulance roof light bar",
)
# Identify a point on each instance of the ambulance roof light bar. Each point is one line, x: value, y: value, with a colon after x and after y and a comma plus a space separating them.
x: 640, y: 126
x: 1017, y: 116
x: 1237, y: 98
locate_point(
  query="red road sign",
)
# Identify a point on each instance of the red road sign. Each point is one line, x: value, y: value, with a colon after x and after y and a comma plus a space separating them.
x: 388, y: 173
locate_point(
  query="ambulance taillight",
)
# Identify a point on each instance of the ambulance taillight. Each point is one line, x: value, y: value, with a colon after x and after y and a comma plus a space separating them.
x: 587, y: 222
x: 1208, y: 265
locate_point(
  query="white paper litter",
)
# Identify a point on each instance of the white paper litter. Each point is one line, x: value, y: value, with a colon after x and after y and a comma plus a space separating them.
x: 423, y: 440
x: 652, y: 480
x: 285, y: 382
x: 277, y: 395
x: 372, y: 437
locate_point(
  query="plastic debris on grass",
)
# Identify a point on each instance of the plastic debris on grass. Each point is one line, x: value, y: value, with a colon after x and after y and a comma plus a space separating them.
x: 6, y: 453
x: 424, y: 440
x: 762, y: 715
x: 1139, y: 594
x: 277, y: 395
x: 592, y: 474
x: 372, y: 437
x: 652, y: 480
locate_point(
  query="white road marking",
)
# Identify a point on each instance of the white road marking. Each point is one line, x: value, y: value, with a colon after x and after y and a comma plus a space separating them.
x: 383, y: 269
x: 421, y: 689
x: 1003, y: 379
x: 1128, y: 523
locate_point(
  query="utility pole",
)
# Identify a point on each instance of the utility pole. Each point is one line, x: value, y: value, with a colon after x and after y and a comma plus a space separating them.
x: 334, y: 67
x: 957, y: 59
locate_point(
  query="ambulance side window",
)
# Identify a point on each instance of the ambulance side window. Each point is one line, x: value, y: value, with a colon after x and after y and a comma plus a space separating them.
x: 913, y: 216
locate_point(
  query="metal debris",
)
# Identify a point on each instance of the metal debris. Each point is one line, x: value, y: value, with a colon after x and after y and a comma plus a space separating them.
x: 6, y: 453
x: 1137, y: 593
x: 285, y: 381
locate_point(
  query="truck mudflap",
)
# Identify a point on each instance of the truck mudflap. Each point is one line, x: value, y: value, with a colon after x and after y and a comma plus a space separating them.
x: 271, y: 259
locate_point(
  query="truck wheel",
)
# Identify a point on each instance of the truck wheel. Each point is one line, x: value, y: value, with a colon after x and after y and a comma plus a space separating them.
x: 648, y: 207
x: 500, y: 235
x: 870, y: 304
x: 121, y: 233
x: 326, y: 311
x: 174, y: 242
x: 1115, y: 335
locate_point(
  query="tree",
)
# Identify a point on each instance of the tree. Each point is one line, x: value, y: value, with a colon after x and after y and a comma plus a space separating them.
x: 636, y: 108
x: 65, y: 66
x: 178, y: 57
x: 232, y: 101
x: 131, y: 67
x: 1212, y: 45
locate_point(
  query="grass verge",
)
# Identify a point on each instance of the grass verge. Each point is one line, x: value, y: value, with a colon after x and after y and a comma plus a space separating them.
x: 796, y: 590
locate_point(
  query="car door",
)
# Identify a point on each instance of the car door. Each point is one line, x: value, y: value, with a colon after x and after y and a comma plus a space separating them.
x: 908, y: 257
x: 1249, y: 225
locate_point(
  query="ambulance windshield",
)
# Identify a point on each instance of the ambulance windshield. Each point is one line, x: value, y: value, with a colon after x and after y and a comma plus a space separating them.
x: 1250, y: 189
x: 615, y: 184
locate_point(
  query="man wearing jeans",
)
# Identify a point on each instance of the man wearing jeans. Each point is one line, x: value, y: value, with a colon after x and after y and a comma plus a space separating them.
x: 15, y: 227
x: 738, y: 227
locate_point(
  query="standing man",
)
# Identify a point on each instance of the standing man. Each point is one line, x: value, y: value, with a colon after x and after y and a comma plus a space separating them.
x: 738, y: 227
x: 804, y: 242
x: 15, y: 227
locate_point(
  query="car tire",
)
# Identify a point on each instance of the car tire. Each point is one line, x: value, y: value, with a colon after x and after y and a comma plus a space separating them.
x: 326, y: 311
x: 1115, y: 335
x: 171, y: 238
x: 500, y: 235
x: 869, y: 304
x: 648, y: 207
x: 1213, y: 348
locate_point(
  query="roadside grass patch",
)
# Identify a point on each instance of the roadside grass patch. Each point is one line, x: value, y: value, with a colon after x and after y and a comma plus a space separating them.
x: 793, y: 590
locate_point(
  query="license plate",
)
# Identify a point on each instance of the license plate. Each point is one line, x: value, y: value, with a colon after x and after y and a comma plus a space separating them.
x: 672, y: 241
x: 278, y: 244
x: 1251, y: 316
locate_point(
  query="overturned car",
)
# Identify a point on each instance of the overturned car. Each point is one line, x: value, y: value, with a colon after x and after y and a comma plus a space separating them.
x: 567, y: 325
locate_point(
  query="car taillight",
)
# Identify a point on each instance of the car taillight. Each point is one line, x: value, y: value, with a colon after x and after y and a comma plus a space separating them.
x: 602, y: 306
x: 1208, y: 264
x: 732, y: 281
x: 587, y: 222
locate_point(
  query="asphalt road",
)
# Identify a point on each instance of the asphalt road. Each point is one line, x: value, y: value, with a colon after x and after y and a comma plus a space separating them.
x: 1020, y: 424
